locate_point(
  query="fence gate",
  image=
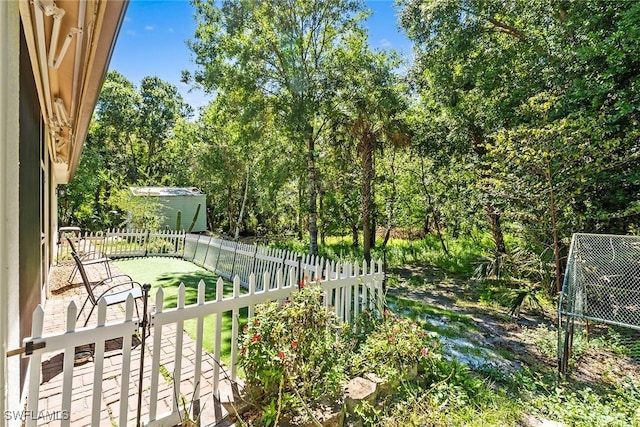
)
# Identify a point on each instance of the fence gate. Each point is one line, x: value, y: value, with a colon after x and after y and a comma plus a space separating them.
x: 601, y: 284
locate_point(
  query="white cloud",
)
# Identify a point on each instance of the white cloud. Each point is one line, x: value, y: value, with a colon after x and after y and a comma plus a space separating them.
x: 131, y: 33
x: 170, y: 30
x: 384, y: 43
x: 149, y: 27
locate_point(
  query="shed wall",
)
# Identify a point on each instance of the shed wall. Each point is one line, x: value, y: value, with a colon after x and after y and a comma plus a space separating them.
x: 188, y: 206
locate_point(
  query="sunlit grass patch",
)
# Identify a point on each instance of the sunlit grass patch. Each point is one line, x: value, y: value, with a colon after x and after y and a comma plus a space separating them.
x: 169, y: 273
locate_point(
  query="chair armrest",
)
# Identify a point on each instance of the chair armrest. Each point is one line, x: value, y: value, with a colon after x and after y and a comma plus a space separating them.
x: 92, y: 261
x: 92, y: 255
x: 108, y: 281
x: 131, y: 284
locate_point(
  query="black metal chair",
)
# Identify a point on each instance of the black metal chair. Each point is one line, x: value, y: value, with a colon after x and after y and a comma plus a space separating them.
x: 89, y: 258
x: 105, y: 289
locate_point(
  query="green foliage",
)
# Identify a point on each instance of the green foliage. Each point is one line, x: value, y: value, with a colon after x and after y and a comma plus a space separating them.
x: 465, y: 251
x: 289, y: 353
x: 585, y: 407
x: 393, y: 349
x: 539, y: 94
x: 142, y: 213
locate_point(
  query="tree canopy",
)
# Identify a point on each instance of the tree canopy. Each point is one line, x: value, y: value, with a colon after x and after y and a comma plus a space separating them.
x: 519, y: 119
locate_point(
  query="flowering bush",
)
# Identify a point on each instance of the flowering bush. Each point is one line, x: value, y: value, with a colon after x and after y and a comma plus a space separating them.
x: 289, y: 353
x: 394, y: 347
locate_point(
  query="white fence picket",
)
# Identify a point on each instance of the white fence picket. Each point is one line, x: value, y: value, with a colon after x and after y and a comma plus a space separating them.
x: 67, y: 369
x: 37, y: 323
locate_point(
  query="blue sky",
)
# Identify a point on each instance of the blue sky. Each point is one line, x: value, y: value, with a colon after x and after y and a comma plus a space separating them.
x: 153, y: 35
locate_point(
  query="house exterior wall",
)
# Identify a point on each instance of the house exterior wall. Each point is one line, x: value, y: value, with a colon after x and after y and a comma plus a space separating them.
x: 28, y: 202
x: 33, y: 265
x: 9, y: 206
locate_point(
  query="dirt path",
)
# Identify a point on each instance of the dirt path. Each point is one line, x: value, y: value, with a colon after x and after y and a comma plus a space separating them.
x: 480, y: 334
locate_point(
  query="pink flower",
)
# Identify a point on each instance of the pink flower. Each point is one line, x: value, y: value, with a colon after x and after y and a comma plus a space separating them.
x: 392, y: 340
x: 423, y: 351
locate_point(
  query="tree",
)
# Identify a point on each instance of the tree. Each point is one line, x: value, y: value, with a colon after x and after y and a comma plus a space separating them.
x: 161, y: 107
x: 130, y: 142
x: 287, y: 51
x: 539, y: 90
x: 372, y: 106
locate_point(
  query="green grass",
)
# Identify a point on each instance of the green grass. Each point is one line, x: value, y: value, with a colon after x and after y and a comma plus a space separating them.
x: 464, y: 251
x: 168, y: 273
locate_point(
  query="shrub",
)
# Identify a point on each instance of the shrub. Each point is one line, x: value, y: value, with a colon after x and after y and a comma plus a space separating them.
x: 395, y: 347
x: 289, y: 355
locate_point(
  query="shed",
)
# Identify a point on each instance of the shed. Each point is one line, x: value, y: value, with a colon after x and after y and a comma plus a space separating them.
x: 174, y: 200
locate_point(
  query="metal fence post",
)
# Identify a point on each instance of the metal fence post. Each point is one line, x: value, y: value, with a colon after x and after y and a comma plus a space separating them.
x: 144, y: 326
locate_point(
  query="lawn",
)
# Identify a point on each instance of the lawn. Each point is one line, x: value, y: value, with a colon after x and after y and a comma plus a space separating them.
x: 168, y: 273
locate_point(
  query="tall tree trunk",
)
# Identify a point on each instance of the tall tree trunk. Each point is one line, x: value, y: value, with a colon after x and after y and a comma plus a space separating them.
x: 244, y: 202
x: 323, y: 225
x: 354, y: 235
x: 299, y: 222
x: 313, y: 193
x: 436, y: 222
x: 554, y: 227
x: 493, y: 215
x: 365, y: 147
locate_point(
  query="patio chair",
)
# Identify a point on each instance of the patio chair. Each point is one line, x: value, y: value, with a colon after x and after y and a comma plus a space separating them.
x: 89, y: 258
x: 106, y: 289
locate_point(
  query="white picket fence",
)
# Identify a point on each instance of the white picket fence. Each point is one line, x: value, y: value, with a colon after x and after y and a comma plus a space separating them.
x: 224, y: 257
x: 347, y: 289
x: 229, y: 259
x: 116, y: 243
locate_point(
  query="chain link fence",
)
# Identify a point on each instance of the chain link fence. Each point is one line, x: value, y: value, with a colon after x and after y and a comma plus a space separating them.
x: 601, y: 284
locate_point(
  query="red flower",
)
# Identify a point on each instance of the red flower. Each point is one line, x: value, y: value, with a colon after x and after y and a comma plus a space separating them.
x: 294, y: 344
x: 281, y: 355
x: 245, y: 327
x: 243, y: 351
x: 423, y: 351
x: 255, y: 338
